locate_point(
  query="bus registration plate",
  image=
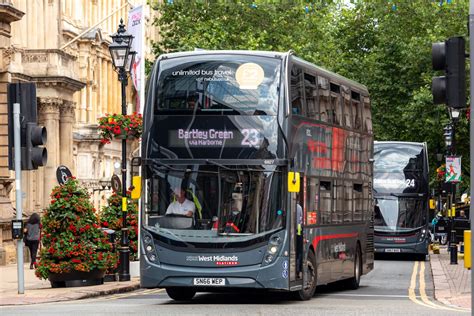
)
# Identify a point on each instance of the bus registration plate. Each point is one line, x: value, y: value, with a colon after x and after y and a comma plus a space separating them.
x: 392, y: 250
x: 209, y: 281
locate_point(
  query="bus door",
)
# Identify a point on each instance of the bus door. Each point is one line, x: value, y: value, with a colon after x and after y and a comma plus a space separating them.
x: 296, y: 233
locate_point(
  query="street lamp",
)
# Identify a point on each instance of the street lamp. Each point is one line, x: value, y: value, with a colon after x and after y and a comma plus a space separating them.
x: 122, y: 59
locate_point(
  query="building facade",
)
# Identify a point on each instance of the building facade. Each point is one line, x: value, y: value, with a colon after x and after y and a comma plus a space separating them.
x: 62, y: 46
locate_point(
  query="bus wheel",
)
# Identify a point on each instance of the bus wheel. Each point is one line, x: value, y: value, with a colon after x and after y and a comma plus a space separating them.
x: 310, y: 287
x: 353, y: 283
x: 180, y: 293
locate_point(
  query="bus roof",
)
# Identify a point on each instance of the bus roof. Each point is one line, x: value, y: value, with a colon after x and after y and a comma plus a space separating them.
x: 399, y: 142
x: 200, y: 52
x: 333, y: 75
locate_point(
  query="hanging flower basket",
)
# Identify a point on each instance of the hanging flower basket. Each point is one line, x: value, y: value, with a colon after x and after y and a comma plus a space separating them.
x: 120, y: 126
x: 441, y: 172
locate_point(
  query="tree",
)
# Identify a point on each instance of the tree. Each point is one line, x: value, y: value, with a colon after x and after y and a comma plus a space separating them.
x: 71, y: 238
x: 385, y: 45
x: 111, y: 217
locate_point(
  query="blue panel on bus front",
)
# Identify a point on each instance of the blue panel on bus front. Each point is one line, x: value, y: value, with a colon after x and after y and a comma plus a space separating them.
x: 211, y: 259
x: 214, y: 136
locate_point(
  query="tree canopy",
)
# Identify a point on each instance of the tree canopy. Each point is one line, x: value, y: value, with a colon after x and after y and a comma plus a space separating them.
x: 385, y: 45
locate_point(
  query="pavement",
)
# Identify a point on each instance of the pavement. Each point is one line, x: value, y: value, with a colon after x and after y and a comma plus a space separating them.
x: 39, y: 291
x: 452, y: 285
x: 452, y: 282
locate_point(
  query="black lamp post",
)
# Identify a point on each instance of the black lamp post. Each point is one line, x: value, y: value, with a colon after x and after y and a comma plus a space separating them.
x: 122, y: 59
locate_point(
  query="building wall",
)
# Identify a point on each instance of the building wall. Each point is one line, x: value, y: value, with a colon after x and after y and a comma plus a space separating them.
x: 76, y: 85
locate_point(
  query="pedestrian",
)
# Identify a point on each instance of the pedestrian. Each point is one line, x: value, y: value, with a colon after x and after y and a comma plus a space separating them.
x: 32, y: 237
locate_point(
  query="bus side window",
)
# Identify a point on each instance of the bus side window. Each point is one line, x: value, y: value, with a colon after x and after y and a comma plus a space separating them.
x: 367, y: 118
x: 366, y: 202
x: 323, y: 101
x: 325, y: 202
x: 296, y: 91
x: 358, y: 202
x: 338, y: 207
x: 311, y: 94
x: 312, y: 212
x: 336, y: 104
x: 348, y: 202
x: 347, y: 107
x: 356, y: 109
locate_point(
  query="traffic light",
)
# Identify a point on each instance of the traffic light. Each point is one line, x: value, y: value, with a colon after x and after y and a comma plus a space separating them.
x: 32, y: 135
x: 34, y: 156
x: 449, y: 56
x: 448, y: 136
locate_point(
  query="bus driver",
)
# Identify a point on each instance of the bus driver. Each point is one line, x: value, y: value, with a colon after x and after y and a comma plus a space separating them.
x: 181, y: 205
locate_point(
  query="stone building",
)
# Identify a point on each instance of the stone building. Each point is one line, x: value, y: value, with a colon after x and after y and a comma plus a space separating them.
x: 62, y: 46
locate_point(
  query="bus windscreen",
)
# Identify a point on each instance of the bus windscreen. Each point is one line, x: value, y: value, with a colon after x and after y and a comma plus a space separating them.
x: 399, y: 168
x: 212, y: 201
x: 218, y: 85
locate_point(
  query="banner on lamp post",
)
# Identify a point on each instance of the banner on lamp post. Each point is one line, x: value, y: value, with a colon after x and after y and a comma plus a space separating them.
x: 453, y: 169
x: 135, y: 27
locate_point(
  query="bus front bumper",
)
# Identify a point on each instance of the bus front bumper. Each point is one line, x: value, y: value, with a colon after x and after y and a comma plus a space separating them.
x: 273, y: 276
x: 408, y: 248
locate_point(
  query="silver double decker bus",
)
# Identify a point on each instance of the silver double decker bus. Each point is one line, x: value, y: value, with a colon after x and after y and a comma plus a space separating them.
x: 401, y: 192
x: 256, y: 174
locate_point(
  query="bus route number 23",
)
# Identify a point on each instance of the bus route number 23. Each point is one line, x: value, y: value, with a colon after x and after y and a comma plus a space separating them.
x: 251, y: 137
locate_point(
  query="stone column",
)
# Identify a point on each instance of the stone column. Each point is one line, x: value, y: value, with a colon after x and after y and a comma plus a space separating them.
x: 49, y: 117
x: 66, y: 122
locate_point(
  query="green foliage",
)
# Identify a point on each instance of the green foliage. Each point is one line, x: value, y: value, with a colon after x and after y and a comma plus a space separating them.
x: 71, y: 237
x: 386, y: 45
x: 111, y: 217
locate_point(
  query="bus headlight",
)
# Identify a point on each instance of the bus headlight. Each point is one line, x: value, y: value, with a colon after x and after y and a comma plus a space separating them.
x: 149, y: 246
x: 273, y: 248
x: 151, y: 257
x: 422, y: 235
x: 269, y: 259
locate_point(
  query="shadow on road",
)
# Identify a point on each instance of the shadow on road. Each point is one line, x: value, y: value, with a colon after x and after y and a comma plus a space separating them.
x: 398, y: 257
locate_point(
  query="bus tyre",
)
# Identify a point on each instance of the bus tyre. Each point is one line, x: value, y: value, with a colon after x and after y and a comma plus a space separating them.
x: 180, y: 293
x: 353, y: 283
x: 310, y: 286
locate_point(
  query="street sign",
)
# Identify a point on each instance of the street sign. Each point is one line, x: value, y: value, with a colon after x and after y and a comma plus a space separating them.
x: 453, y: 169
x: 62, y: 173
x: 116, y: 183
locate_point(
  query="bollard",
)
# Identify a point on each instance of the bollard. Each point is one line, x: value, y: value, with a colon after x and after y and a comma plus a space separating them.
x: 467, y: 249
x: 453, y: 247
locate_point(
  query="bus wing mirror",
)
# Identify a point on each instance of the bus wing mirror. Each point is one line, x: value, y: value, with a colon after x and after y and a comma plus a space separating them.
x: 293, y: 182
x: 137, y: 187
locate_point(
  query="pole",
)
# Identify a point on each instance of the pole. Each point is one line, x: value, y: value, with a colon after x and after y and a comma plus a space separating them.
x: 124, y: 271
x: 471, y: 128
x: 19, y: 213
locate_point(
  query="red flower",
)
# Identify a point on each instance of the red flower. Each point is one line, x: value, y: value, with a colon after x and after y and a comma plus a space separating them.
x: 76, y: 260
x: 105, y: 224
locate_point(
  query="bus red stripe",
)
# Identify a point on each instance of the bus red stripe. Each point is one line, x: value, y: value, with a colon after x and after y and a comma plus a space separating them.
x: 317, y: 239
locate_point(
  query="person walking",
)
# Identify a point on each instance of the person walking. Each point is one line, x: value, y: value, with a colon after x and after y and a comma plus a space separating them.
x: 32, y: 231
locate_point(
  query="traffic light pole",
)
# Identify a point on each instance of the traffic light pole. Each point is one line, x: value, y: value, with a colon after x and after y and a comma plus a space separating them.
x: 471, y: 127
x: 19, y: 215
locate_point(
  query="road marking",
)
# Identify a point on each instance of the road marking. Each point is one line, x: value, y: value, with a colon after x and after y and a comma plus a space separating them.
x: 136, y: 293
x: 425, y: 301
x: 366, y: 295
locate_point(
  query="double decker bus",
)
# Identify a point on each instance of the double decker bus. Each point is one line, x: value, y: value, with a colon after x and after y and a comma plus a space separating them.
x: 268, y: 158
x: 401, y: 192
